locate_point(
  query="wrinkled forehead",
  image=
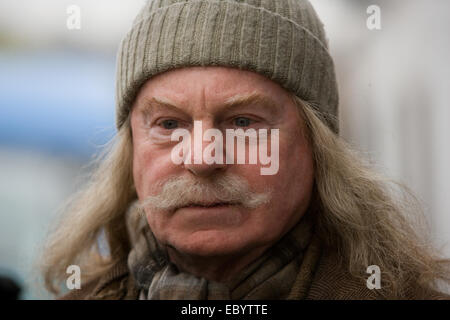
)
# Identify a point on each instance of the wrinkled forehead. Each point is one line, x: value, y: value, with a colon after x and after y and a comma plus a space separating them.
x: 215, y: 86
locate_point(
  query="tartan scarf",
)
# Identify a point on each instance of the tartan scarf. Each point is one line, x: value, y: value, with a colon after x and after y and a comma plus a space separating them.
x: 269, y: 277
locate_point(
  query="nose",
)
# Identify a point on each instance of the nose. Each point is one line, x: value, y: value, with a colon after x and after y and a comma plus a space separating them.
x: 205, y: 170
x: 206, y: 157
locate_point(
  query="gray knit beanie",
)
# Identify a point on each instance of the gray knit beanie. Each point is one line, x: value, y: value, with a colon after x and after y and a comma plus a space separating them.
x: 283, y: 40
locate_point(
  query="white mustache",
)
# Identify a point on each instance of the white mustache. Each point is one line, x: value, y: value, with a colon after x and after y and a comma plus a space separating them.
x: 180, y: 192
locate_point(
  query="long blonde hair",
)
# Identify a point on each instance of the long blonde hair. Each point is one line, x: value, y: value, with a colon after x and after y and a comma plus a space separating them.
x: 367, y: 218
x: 97, y: 209
x: 359, y: 217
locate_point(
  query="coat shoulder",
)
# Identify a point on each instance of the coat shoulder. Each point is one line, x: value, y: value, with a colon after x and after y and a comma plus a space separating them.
x: 332, y: 281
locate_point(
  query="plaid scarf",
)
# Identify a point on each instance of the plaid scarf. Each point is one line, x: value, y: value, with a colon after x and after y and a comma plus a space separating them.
x: 268, y: 277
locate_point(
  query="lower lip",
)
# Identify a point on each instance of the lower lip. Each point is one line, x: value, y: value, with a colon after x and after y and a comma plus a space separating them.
x: 222, y: 214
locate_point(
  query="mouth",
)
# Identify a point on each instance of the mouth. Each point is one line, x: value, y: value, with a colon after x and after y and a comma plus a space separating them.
x: 206, y: 205
x: 211, y: 215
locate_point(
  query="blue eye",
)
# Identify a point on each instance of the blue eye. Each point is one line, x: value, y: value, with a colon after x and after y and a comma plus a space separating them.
x: 169, y: 124
x: 242, y: 122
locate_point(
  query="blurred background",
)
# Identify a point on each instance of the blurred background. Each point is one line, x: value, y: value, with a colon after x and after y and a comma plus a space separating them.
x: 57, y: 105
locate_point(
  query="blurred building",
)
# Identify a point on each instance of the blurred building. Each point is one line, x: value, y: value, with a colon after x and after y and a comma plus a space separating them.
x: 394, y: 86
x: 56, y: 112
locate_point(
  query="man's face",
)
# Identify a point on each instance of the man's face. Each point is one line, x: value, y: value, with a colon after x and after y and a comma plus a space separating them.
x: 176, y: 99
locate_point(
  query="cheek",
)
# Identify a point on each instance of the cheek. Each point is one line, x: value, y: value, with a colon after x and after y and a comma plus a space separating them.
x: 141, y: 159
x: 299, y: 163
x: 295, y: 179
x: 295, y: 176
x: 149, y: 165
x: 138, y: 168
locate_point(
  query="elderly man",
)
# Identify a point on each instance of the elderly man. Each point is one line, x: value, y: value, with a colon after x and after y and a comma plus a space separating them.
x: 184, y: 218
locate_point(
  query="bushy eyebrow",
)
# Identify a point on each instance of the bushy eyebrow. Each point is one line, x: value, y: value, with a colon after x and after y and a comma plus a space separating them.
x: 248, y: 99
x: 234, y: 102
x: 254, y: 98
x: 155, y: 102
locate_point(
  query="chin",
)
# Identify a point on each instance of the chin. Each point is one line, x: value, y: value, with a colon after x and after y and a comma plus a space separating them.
x: 211, y: 243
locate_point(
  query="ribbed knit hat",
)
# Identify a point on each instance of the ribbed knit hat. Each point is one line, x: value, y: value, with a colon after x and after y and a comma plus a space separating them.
x: 283, y: 40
